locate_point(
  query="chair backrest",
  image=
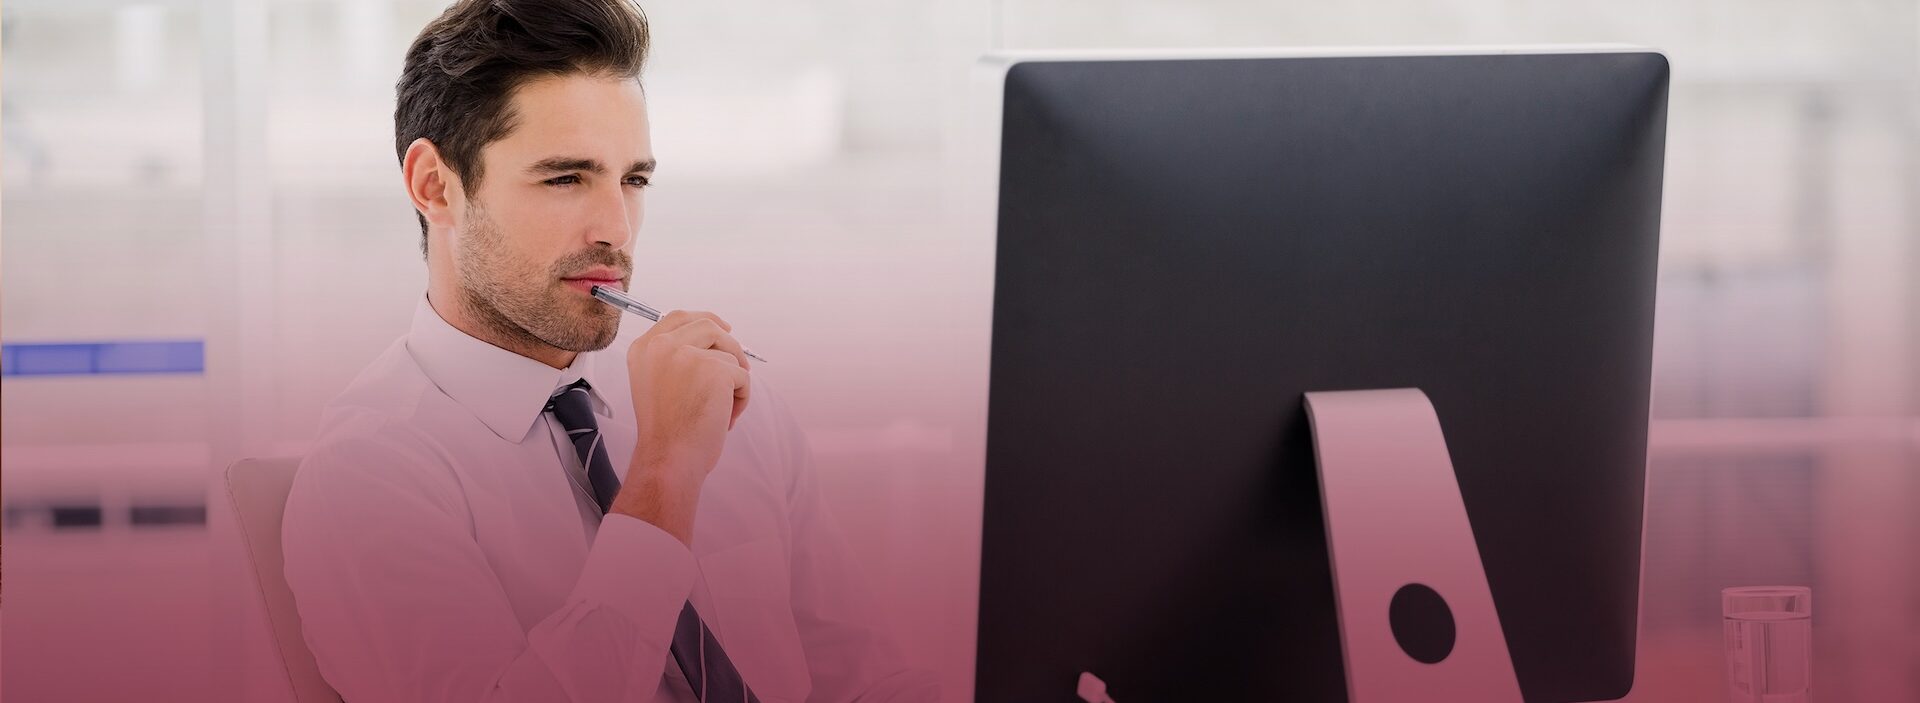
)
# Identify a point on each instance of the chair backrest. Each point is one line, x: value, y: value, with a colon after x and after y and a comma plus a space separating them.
x: 258, y: 490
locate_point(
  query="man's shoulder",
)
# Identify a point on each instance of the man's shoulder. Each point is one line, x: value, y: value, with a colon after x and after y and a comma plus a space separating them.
x: 377, y: 422
x: 769, y: 435
x: 768, y: 414
x: 392, y: 385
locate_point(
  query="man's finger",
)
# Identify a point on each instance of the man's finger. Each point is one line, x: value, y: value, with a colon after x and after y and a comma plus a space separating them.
x: 680, y: 318
x: 705, y: 335
x: 737, y: 375
x: 742, y: 388
x: 728, y: 344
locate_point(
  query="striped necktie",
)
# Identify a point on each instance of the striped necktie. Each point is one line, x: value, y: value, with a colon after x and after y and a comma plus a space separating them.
x: 705, y: 664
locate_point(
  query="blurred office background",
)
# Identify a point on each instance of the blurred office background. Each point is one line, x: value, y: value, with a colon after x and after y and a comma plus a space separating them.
x: 201, y: 200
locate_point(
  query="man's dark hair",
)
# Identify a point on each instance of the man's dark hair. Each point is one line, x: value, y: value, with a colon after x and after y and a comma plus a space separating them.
x: 457, y: 87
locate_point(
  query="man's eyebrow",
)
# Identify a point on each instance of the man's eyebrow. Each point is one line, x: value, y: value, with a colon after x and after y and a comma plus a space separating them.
x: 564, y: 164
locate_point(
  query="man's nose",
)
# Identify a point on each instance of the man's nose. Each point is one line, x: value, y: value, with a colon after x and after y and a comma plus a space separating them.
x: 614, y: 217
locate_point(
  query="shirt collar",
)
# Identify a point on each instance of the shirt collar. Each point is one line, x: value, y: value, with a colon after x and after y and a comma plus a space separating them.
x: 506, y: 391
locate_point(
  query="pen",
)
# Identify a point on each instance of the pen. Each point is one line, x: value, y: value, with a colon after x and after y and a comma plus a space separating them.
x: 613, y: 296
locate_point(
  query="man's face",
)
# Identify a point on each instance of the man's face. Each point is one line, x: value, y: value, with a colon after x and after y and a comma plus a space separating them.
x: 556, y: 212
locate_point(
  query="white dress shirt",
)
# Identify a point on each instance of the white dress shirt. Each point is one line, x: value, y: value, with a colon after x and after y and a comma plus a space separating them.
x: 441, y: 546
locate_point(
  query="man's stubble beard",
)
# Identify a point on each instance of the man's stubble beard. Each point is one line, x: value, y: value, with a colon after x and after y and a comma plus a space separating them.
x: 526, y: 307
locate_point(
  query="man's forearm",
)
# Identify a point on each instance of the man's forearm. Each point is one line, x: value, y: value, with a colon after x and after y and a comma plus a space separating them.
x: 664, y: 498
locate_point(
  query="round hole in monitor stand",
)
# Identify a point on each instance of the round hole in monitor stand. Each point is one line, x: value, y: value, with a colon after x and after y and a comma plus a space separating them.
x: 1422, y: 623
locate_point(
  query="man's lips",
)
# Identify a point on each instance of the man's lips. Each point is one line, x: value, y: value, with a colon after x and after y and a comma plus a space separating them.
x: 585, y: 284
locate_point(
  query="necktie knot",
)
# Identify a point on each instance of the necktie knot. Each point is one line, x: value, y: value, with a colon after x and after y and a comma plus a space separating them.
x: 573, y: 406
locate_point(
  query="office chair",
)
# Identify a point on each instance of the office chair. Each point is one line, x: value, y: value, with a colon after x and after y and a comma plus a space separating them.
x: 258, y: 490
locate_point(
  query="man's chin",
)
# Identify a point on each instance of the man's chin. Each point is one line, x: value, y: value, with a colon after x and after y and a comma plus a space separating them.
x: 582, y: 343
x: 578, y: 328
x: 599, y: 335
x: 605, y: 340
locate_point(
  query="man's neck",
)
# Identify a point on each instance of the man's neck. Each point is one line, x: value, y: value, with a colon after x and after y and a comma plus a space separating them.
x: 453, y: 308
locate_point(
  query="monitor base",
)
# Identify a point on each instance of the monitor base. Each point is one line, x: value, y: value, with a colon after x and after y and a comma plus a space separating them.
x: 1417, y: 621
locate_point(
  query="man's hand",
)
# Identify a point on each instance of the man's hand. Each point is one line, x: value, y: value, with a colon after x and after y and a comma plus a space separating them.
x: 690, y: 383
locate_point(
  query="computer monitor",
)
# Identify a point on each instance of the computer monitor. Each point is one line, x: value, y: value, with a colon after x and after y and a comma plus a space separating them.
x: 1186, y: 245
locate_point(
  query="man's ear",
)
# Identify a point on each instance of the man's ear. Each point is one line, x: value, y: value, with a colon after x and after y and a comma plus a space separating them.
x: 431, y: 182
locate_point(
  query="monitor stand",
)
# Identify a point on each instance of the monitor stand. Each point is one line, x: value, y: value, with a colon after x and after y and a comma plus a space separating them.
x: 1417, y: 621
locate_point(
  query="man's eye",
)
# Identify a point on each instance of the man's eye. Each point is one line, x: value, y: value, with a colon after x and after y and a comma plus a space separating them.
x: 568, y: 179
x: 640, y: 181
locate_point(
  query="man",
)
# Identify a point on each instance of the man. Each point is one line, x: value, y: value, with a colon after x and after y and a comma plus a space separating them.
x: 494, y: 511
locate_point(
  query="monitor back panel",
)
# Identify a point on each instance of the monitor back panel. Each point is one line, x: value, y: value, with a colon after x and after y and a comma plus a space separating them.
x: 1185, y: 247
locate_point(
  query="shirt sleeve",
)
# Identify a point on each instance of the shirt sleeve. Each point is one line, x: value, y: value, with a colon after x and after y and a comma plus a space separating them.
x: 851, y: 655
x: 399, y: 603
